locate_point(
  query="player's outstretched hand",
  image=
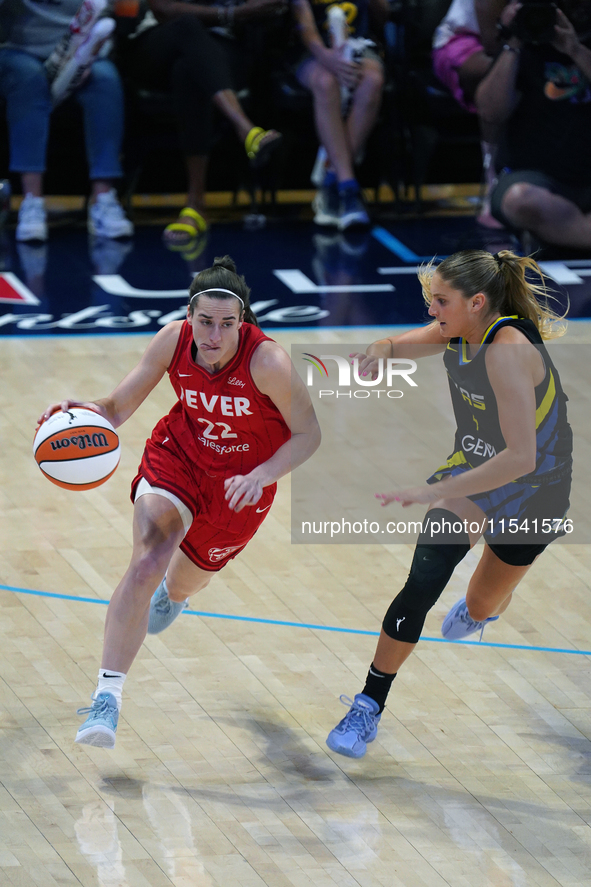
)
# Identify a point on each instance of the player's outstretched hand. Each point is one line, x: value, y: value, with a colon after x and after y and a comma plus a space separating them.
x: 241, y: 490
x: 66, y: 405
x: 422, y: 495
x: 368, y: 366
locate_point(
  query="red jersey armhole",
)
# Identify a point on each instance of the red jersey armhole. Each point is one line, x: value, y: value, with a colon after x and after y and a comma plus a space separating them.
x: 180, y: 345
x: 255, y: 345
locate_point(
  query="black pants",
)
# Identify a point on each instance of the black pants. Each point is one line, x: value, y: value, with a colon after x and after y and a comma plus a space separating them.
x: 182, y: 56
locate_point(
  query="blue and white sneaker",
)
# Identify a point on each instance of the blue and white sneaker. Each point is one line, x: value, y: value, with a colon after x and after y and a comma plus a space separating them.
x: 352, y: 211
x: 100, y: 726
x: 358, y: 727
x: 459, y: 624
x: 106, y: 217
x: 163, y: 611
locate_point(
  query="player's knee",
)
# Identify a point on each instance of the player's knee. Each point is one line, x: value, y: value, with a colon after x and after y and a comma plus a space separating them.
x: 150, y: 563
x: 431, y: 569
x: 153, y: 550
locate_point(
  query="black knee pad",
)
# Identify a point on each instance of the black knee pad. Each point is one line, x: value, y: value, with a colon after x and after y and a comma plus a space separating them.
x: 430, y: 571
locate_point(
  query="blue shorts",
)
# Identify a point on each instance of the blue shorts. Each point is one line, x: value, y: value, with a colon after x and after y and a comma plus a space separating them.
x: 519, y: 513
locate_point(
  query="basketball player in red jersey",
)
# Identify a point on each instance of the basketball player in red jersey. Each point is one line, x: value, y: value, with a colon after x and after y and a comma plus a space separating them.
x: 208, y: 475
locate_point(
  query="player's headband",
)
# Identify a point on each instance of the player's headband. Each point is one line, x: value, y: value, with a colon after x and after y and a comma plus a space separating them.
x: 217, y: 289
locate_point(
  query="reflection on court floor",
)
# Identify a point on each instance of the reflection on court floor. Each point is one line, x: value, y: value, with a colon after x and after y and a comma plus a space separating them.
x: 300, y: 275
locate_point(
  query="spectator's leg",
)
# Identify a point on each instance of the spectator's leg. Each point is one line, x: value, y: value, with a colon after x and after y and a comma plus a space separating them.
x: 330, y: 125
x: 549, y: 216
x: 28, y: 108
x: 101, y: 98
x: 227, y: 102
x: 470, y: 74
x: 197, y: 173
x: 366, y: 105
x: 194, y: 114
x: 32, y: 183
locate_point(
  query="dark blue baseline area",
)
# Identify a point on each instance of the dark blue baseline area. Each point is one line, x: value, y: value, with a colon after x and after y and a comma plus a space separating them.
x: 300, y: 276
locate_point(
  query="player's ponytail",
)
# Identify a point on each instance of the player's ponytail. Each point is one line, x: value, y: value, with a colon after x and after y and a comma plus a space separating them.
x: 506, y: 281
x: 526, y: 297
x: 223, y: 274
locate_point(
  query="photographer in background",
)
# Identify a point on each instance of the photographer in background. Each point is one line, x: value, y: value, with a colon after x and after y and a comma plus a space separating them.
x: 540, y: 87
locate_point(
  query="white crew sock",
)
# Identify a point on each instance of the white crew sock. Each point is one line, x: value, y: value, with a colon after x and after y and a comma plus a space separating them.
x: 110, y: 682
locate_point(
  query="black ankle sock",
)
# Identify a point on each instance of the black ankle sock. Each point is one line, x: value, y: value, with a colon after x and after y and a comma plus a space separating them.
x: 377, y: 685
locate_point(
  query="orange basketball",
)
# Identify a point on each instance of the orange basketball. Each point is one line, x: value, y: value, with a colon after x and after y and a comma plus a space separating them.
x: 77, y: 450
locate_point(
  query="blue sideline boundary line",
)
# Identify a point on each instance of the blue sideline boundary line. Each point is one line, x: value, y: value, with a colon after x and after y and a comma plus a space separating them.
x: 286, y: 624
x: 400, y: 249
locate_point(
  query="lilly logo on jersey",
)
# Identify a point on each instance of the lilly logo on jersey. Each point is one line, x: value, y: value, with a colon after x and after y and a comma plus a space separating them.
x: 218, y: 554
x: 389, y: 370
x: 234, y: 381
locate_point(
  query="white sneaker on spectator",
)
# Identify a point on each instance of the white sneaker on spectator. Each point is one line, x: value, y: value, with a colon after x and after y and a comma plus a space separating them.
x: 32, y: 219
x: 326, y: 205
x: 106, y: 217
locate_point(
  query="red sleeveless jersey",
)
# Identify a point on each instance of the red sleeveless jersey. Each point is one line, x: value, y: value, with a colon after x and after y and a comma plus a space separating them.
x: 221, y: 423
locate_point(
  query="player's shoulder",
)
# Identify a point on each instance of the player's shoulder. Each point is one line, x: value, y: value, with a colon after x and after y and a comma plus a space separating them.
x: 270, y: 356
x: 171, y: 330
x: 165, y: 341
x: 270, y: 368
x: 511, y: 335
x: 504, y: 361
x: 170, y: 333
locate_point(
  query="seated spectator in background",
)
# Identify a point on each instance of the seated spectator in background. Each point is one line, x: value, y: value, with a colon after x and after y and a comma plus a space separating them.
x: 195, y: 51
x: 464, y: 46
x: 540, y: 88
x: 323, y: 71
x: 30, y: 32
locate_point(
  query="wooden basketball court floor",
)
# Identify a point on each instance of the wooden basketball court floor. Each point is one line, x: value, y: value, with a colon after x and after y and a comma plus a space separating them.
x: 481, y: 771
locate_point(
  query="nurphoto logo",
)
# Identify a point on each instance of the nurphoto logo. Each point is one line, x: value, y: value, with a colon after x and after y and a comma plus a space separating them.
x: 390, y: 371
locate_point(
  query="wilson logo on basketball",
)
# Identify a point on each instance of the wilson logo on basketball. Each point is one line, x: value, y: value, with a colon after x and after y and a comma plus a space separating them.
x: 77, y: 443
x: 78, y: 449
x: 81, y: 441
